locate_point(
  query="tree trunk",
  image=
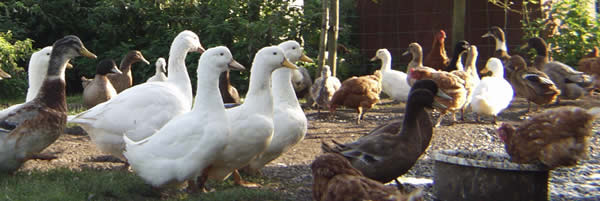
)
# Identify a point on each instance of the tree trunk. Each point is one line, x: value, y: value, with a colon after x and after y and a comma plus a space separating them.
x: 334, y: 9
x: 323, y: 39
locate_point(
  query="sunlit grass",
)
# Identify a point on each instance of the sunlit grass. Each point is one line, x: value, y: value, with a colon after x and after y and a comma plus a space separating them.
x: 65, y: 184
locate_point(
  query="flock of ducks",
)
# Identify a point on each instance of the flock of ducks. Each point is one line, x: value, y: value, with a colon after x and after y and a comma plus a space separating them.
x: 168, y: 136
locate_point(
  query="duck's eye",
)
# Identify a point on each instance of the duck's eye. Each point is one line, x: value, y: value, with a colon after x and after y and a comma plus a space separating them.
x: 274, y: 53
x: 222, y: 54
x: 293, y: 48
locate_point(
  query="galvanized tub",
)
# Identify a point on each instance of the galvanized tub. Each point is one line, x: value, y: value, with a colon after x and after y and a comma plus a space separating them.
x: 474, y: 176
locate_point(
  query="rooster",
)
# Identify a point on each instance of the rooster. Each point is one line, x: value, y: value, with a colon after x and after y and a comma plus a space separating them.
x: 437, y: 57
x: 334, y: 179
x: 556, y: 137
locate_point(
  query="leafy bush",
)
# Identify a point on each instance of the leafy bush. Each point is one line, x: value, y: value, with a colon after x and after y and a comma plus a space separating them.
x: 569, y: 30
x: 13, y: 53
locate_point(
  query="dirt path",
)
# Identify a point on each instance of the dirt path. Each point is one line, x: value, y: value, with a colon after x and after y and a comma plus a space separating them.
x: 292, y: 169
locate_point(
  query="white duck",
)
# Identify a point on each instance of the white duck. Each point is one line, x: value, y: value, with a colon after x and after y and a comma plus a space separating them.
x: 290, y: 124
x: 183, y: 148
x: 36, y: 73
x: 324, y: 87
x: 494, y: 93
x: 160, y: 75
x: 393, y: 82
x: 142, y: 109
x: 252, y: 122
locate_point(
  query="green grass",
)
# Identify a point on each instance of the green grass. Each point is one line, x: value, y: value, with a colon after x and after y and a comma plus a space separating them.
x: 64, y: 184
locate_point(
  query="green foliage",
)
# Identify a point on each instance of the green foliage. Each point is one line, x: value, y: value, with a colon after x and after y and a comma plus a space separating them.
x: 13, y: 53
x: 577, y: 32
x: 64, y: 184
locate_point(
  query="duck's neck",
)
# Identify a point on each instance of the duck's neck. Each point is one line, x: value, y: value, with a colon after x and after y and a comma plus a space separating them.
x: 208, y: 95
x: 454, y: 62
x: 386, y: 64
x: 259, y: 89
x: 283, y: 91
x: 541, y: 58
x: 178, y: 74
x: 416, y: 61
x: 101, y: 78
x: 416, y: 122
x: 52, y: 93
x: 500, y: 45
x: 471, y: 64
x: 125, y: 65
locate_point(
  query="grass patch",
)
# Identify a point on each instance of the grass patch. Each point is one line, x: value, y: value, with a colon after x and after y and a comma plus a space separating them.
x: 64, y: 184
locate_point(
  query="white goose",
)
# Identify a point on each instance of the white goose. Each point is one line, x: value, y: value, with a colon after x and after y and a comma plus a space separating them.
x: 142, y: 109
x: 493, y: 93
x: 252, y: 122
x: 291, y: 124
x: 160, y: 75
x: 36, y: 73
x: 393, y: 82
x: 183, y: 148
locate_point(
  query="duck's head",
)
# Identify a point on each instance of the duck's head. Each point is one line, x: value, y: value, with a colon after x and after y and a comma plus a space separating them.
x: 136, y: 56
x: 495, y: 65
x: 107, y: 66
x: 414, y: 49
x: 472, y: 51
x: 496, y: 33
x: 516, y: 62
x: 461, y: 46
x: 326, y: 71
x: 187, y: 40
x: 424, y: 91
x: 381, y: 54
x: 221, y: 58
x: 538, y: 44
x: 294, y: 52
x: 64, y: 50
x: 273, y: 58
x: 161, y: 65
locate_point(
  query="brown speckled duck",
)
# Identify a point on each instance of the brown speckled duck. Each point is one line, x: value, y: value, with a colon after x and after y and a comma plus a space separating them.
x: 124, y: 80
x: 391, y: 150
x: 30, y: 129
x: 100, y: 89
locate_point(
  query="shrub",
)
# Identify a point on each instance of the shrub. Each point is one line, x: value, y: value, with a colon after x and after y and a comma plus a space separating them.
x: 13, y: 54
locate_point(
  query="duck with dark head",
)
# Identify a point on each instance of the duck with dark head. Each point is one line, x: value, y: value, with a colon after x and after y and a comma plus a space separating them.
x: 27, y: 131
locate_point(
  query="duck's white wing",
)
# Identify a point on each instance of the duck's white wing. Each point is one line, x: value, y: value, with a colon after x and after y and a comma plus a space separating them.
x: 137, y: 110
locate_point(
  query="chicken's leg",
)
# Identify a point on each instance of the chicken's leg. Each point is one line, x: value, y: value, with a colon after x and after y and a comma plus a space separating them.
x: 360, y: 114
x: 439, y: 120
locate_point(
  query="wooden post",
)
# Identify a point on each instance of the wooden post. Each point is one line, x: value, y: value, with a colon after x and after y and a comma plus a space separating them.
x: 323, y: 39
x: 458, y: 21
x: 334, y: 9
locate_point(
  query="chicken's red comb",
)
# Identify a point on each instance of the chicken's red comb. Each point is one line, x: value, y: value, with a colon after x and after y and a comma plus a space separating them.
x: 443, y: 33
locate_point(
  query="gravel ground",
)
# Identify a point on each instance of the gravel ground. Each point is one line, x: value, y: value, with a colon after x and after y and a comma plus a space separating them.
x: 292, y: 171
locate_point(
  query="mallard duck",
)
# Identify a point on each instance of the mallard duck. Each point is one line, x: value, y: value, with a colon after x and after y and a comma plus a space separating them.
x: 530, y: 83
x: 38, y: 123
x: 390, y: 150
x: 36, y: 72
x: 555, y: 137
x: 334, y: 179
x: 252, y: 122
x: 141, y: 110
x: 161, y: 71
x: 456, y: 62
x: 228, y: 92
x: 290, y: 125
x: 187, y: 145
x: 124, y: 80
x: 360, y: 93
x: 393, y: 82
x: 100, y: 89
x: 493, y: 94
x: 501, y: 50
x: 570, y: 82
x: 324, y: 87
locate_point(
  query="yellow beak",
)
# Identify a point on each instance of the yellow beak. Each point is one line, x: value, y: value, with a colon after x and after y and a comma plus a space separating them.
x: 306, y: 59
x: 87, y: 53
x: 288, y: 64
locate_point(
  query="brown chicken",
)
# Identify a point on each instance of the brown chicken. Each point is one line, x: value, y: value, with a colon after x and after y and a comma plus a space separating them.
x: 449, y: 83
x: 358, y: 92
x: 437, y: 57
x: 530, y: 83
x: 556, y: 137
x: 334, y: 179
